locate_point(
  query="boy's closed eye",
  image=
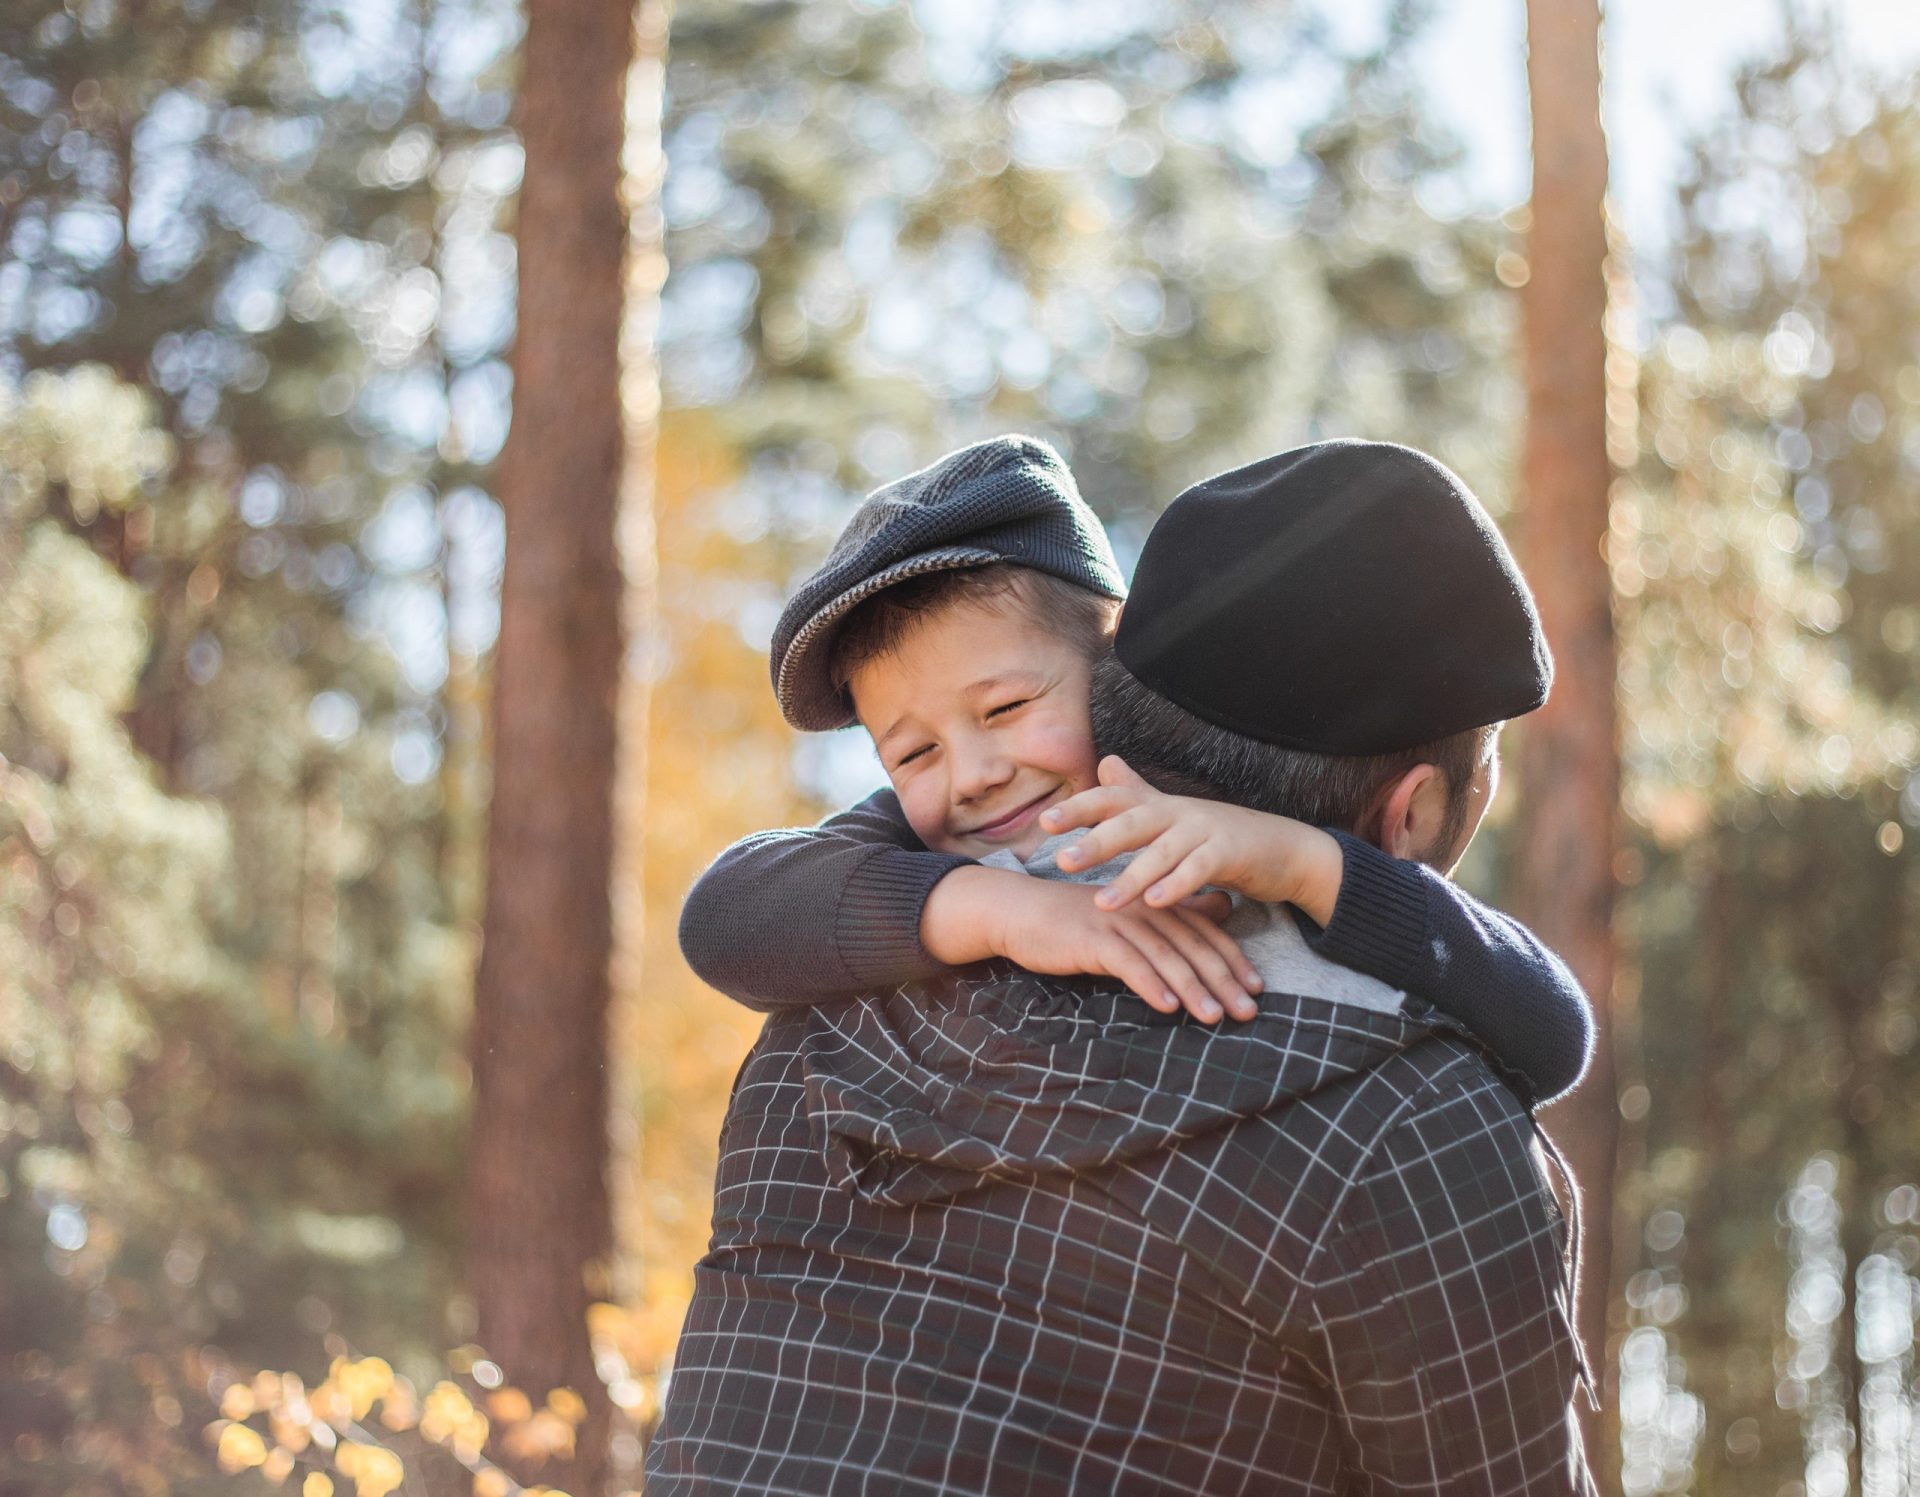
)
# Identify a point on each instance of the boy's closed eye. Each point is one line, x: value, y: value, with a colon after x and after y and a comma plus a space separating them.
x: 920, y: 752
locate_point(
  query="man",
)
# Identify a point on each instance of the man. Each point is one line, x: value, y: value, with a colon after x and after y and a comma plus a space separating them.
x: 1011, y: 1233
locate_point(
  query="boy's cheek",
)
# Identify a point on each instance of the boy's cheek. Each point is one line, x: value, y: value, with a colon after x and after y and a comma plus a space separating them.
x: 1067, y: 750
x: 928, y: 825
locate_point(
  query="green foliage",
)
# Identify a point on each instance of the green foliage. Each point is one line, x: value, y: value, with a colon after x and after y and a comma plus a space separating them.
x: 239, y: 675
x: 248, y: 568
x: 103, y: 883
x: 180, y: 1162
x: 1764, y: 549
x: 1170, y: 243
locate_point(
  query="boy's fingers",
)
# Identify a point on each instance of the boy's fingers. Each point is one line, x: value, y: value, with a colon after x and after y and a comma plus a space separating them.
x: 1158, y: 858
x: 1193, y: 967
x: 1088, y: 808
x: 1122, y: 833
x: 1243, y: 970
x: 1114, y: 770
x: 1176, y: 971
x: 1215, y: 905
x: 1185, y: 879
x: 1126, y: 962
x: 1209, y: 964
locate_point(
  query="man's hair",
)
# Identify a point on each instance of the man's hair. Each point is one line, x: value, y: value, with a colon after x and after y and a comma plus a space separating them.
x: 1181, y: 754
x: 1082, y: 617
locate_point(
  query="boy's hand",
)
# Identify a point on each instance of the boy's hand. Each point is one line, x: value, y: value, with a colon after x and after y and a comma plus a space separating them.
x: 1186, y: 844
x: 1169, y: 958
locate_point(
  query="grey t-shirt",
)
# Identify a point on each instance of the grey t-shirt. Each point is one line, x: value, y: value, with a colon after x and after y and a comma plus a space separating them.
x: 1266, y: 933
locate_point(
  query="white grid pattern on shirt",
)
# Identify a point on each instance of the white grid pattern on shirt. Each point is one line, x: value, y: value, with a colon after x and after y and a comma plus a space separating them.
x: 1356, y: 1287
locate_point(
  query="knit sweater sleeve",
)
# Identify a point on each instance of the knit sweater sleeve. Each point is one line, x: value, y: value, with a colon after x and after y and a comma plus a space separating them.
x: 1404, y: 924
x: 804, y: 915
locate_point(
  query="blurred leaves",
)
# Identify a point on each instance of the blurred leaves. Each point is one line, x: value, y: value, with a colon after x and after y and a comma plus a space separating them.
x: 237, y: 843
x: 255, y: 288
x: 1168, y: 243
x: 1734, y: 679
x: 1763, y: 547
x: 327, y: 1425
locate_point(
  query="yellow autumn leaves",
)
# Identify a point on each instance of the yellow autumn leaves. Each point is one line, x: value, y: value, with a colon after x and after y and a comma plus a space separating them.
x: 331, y: 1416
x: 533, y: 1435
x: 240, y: 1448
x: 449, y: 1418
x: 374, y: 1469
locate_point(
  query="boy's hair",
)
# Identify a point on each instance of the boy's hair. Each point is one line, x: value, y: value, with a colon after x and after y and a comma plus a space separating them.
x: 1181, y: 754
x: 877, y: 627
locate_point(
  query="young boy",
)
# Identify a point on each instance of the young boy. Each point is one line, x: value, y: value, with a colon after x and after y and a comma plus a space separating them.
x: 958, y: 619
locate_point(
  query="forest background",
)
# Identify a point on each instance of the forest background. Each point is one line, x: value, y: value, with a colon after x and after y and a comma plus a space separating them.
x: 265, y: 1211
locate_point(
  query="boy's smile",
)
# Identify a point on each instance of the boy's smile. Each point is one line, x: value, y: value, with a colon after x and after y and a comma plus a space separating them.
x: 980, y: 718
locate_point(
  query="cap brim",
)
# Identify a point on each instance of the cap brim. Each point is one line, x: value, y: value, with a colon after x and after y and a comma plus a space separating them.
x: 807, y: 695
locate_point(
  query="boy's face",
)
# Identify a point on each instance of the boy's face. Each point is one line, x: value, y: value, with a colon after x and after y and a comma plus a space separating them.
x: 980, y: 718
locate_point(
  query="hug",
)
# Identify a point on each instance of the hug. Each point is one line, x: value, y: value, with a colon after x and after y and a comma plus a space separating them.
x: 1141, y: 1108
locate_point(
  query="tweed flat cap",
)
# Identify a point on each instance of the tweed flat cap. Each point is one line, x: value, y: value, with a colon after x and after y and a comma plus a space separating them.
x: 1007, y: 499
x: 1346, y: 597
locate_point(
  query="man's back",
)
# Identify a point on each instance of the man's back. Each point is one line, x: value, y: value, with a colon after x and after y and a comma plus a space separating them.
x: 1022, y: 1235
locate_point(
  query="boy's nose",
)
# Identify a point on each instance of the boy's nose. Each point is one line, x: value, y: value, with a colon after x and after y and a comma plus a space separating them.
x: 979, y: 772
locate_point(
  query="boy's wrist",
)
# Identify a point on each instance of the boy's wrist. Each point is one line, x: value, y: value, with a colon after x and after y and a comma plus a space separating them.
x: 1322, y: 866
x: 1292, y: 863
x: 959, y: 921
x: 1379, y: 924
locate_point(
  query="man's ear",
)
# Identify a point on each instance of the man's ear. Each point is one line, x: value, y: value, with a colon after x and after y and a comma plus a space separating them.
x: 1412, y: 812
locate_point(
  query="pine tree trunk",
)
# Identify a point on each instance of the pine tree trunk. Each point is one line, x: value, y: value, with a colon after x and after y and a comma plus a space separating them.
x: 541, y: 1223
x: 1856, y: 1244
x: 646, y: 272
x: 1713, y: 1327
x: 1568, y: 761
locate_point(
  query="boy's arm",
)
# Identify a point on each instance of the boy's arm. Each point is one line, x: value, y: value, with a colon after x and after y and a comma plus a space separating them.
x: 1418, y: 931
x: 805, y: 914
x: 1390, y: 918
x: 858, y: 904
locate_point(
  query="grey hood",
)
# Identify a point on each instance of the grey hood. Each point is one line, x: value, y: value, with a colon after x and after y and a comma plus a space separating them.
x: 996, y: 1073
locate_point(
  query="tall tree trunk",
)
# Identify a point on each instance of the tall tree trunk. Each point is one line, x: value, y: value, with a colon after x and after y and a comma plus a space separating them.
x: 645, y: 162
x: 541, y: 1225
x: 1856, y: 1244
x: 1712, y: 1334
x: 1853, y: 1007
x: 1568, y: 761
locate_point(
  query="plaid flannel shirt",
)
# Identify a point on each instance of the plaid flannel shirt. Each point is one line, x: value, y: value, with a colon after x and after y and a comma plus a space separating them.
x: 1012, y: 1234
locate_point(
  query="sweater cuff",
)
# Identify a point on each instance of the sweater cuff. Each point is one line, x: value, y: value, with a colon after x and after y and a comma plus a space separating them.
x: 877, y: 927
x: 1379, y: 923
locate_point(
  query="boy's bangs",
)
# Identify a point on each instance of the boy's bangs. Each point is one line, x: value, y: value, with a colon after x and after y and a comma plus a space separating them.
x: 877, y: 627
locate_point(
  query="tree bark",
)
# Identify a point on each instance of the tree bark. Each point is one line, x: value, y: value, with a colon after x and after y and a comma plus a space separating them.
x: 646, y: 273
x: 1711, y: 1335
x: 1568, y: 760
x: 541, y: 1224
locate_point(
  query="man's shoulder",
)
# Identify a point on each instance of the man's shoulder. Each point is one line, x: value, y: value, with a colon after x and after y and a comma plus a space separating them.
x: 1443, y: 1063
x: 1444, y: 1130
x: 1440, y: 1087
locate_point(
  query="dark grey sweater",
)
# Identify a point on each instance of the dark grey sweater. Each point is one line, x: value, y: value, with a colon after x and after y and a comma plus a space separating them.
x: 812, y: 914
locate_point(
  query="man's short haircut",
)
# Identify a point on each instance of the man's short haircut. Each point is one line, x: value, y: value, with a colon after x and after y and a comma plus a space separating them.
x: 1181, y: 754
x: 878, y: 626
